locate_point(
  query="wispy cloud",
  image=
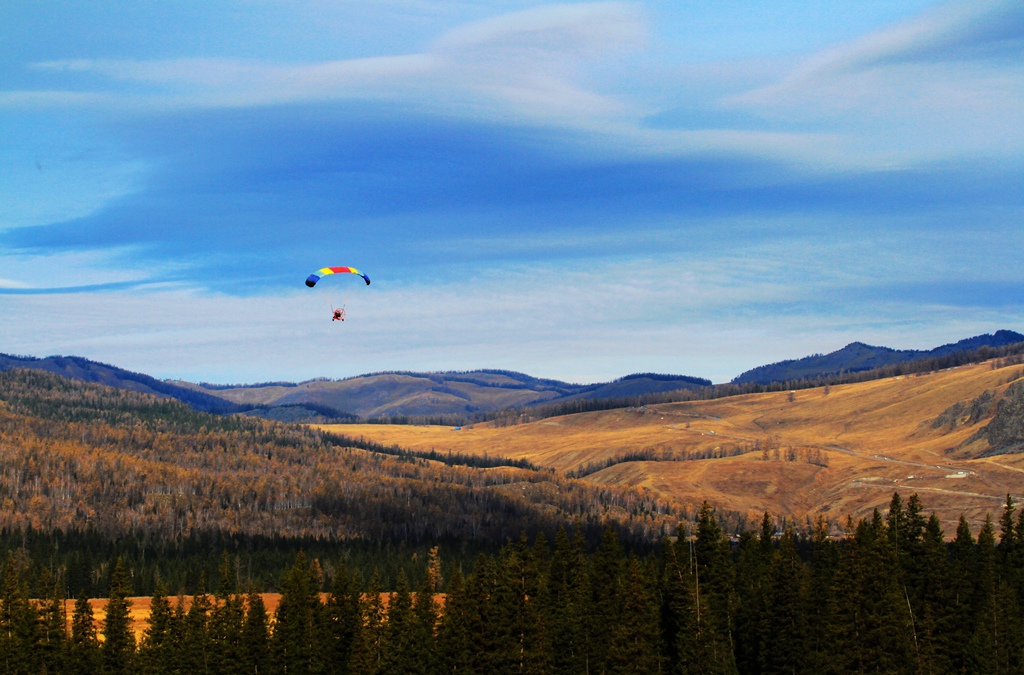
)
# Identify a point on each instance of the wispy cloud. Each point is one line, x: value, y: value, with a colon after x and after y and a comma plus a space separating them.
x: 946, y: 84
x: 524, y: 61
x: 711, y: 317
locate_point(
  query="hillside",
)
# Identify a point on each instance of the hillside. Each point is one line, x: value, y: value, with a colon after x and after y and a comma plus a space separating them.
x: 78, y: 368
x: 833, y: 450
x: 857, y: 356
x: 78, y: 455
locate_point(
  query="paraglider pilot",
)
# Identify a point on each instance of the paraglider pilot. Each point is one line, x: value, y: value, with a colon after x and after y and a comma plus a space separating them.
x: 339, y: 314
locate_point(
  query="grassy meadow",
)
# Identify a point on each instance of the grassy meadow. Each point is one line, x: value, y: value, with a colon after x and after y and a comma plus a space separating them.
x: 836, y: 451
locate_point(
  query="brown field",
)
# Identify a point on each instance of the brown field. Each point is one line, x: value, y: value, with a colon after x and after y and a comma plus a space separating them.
x: 875, y: 438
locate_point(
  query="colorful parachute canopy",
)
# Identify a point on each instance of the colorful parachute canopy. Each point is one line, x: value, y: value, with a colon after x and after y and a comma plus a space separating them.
x: 315, y: 276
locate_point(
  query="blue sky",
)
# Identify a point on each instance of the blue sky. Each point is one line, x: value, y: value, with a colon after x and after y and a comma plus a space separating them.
x: 578, y: 190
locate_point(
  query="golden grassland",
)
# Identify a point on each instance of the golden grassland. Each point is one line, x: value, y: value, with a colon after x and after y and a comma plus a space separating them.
x: 875, y: 438
x: 142, y: 606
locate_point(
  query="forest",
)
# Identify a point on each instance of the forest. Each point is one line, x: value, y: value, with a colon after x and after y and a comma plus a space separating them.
x: 391, y: 562
x: 90, y: 473
x: 892, y: 595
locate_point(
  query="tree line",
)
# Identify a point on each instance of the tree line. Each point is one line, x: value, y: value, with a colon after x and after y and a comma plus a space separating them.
x: 891, y: 595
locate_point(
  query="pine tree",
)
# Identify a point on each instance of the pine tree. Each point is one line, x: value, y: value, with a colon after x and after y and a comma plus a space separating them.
x: 714, y: 583
x: 489, y: 619
x: 994, y: 646
x: 820, y: 599
x: 225, y: 627
x: 635, y: 643
x: 1007, y: 533
x: 196, y: 645
x: 453, y: 634
x: 255, y: 646
x: 563, y: 603
x: 516, y: 595
x: 873, y: 627
x: 397, y: 657
x: 18, y: 621
x: 606, y: 570
x: 295, y: 644
x: 119, y: 640
x: 156, y: 650
x: 424, y: 626
x: 678, y: 608
x: 783, y: 632
x: 84, y: 647
x: 367, y: 653
x: 754, y: 560
x: 343, y: 619
x: 963, y: 565
x: 53, y: 633
x: 935, y: 623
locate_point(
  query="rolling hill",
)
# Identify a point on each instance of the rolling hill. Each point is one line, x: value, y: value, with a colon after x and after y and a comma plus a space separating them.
x: 457, y: 396
x: 954, y: 436
x: 406, y: 394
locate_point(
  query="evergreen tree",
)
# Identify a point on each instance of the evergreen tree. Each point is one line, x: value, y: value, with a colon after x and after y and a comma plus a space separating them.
x: 156, y: 650
x: 255, y: 646
x: 119, y: 640
x: 397, y: 656
x: 295, y: 644
x: 516, y: 595
x: 343, y: 619
x: 424, y: 625
x: 820, y: 599
x: 563, y: 603
x: 963, y: 565
x: 936, y: 618
x: 714, y: 583
x: 368, y: 652
x: 1007, y: 532
x: 196, y: 645
x: 606, y: 572
x: 53, y: 633
x: 784, y: 626
x: 872, y: 627
x: 753, y: 562
x: 635, y: 646
x: 18, y: 621
x: 226, y: 619
x: 453, y: 633
x: 490, y: 616
x: 994, y: 646
x: 678, y: 607
x: 84, y: 647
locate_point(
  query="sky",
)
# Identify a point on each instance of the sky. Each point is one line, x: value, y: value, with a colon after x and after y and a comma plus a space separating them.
x: 571, y: 190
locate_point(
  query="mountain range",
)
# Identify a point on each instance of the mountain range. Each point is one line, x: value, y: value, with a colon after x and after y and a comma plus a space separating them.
x: 857, y: 357
x: 397, y: 395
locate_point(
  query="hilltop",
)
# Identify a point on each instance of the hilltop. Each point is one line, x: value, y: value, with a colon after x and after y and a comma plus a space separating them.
x: 857, y: 357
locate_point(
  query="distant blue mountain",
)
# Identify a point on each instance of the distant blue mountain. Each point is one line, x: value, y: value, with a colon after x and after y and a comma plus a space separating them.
x: 858, y: 356
x: 372, y: 396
